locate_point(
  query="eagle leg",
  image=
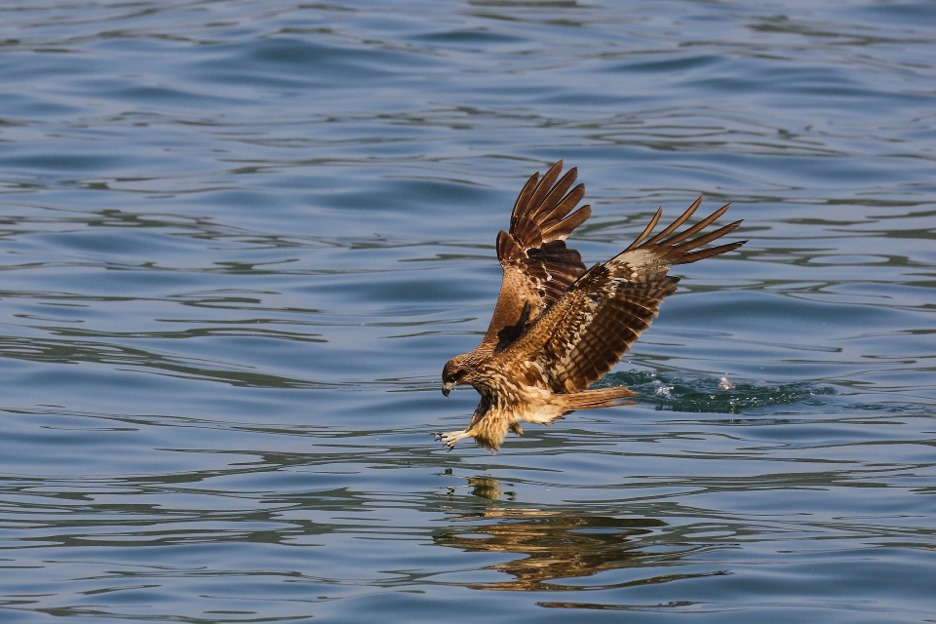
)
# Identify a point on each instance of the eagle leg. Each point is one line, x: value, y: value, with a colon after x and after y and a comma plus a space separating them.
x: 450, y: 438
x: 488, y: 433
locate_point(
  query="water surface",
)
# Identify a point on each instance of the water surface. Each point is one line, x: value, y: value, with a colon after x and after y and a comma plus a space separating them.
x: 238, y: 242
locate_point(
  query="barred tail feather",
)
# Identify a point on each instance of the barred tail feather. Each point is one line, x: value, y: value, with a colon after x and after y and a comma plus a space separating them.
x: 595, y: 398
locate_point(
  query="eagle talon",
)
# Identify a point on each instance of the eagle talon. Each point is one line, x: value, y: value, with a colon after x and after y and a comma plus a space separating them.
x: 449, y: 439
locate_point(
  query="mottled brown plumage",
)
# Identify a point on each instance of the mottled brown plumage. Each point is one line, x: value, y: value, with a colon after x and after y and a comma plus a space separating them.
x: 557, y: 328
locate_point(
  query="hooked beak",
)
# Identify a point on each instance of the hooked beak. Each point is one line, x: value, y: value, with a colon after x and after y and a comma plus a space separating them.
x: 447, y: 387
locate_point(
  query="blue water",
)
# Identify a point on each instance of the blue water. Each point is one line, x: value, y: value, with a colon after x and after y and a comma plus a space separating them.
x: 238, y: 240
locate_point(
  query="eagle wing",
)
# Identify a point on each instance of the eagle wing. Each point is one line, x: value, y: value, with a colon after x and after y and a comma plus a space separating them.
x: 587, y: 331
x: 538, y: 267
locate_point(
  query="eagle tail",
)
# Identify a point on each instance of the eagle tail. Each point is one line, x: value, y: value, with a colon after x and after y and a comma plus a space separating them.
x: 594, y: 398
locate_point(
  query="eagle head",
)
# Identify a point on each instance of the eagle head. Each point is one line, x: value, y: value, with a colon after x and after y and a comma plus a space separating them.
x: 453, y: 373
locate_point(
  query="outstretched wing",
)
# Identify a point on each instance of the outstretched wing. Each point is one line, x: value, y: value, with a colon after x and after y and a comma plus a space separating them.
x: 538, y: 267
x: 587, y: 331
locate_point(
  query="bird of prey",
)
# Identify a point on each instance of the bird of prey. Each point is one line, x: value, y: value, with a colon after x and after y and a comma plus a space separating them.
x: 558, y: 328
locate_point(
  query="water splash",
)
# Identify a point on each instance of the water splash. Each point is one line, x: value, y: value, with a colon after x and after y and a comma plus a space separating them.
x: 706, y: 394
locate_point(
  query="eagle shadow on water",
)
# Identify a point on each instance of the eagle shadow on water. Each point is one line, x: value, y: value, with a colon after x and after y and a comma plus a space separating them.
x: 557, y: 328
x: 556, y: 549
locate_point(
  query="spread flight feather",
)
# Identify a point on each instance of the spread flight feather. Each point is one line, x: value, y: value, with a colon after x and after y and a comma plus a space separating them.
x: 557, y: 328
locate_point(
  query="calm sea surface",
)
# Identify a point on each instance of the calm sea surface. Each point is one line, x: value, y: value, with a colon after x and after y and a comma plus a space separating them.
x: 238, y: 240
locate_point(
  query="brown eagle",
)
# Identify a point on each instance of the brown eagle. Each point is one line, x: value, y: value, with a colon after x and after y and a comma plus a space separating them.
x: 558, y: 328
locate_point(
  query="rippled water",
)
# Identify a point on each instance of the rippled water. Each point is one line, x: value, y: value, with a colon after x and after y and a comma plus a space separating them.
x: 239, y: 240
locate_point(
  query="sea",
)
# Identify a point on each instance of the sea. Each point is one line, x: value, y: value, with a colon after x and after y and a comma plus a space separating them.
x: 239, y: 240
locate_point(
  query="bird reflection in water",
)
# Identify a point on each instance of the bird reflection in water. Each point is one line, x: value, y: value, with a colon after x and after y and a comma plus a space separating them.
x: 563, y: 544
